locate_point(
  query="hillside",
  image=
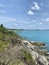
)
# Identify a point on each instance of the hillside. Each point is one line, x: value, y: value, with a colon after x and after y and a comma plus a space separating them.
x: 12, y: 51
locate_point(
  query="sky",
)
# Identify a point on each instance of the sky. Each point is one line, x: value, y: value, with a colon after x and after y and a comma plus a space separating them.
x: 24, y: 14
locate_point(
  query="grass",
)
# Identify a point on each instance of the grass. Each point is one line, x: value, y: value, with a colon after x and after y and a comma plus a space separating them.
x: 4, y: 45
x: 27, y: 57
x: 16, y: 62
x: 9, y: 38
x: 6, y: 36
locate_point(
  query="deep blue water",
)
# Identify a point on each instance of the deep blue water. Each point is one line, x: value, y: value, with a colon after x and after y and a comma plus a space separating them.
x: 31, y: 35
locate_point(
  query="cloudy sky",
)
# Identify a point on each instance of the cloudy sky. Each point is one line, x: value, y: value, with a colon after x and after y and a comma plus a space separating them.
x: 25, y: 14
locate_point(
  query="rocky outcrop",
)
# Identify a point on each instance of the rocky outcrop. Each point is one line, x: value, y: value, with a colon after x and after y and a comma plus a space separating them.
x: 37, y: 43
x: 39, y: 59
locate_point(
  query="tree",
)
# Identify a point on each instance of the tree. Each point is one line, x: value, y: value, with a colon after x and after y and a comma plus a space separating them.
x: 1, y: 25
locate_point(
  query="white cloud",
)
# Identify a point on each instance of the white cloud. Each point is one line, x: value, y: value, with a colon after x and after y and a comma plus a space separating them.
x: 15, y: 24
x: 9, y: 6
x: 35, y: 6
x: 47, y: 19
x: 5, y: 19
x: 4, y: 6
x: 40, y: 23
x: 30, y: 12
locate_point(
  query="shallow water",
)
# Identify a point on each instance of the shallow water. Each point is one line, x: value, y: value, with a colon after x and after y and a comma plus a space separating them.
x: 31, y: 35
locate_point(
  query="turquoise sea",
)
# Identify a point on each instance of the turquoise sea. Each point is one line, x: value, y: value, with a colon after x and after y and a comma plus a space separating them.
x: 34, y: 35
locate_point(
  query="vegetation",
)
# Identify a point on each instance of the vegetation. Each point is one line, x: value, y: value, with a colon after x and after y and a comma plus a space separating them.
x: 27, y: 57
x: 13, y: 51
x: 10, y: 49
x: 7, y: 37
x: 16, y: 62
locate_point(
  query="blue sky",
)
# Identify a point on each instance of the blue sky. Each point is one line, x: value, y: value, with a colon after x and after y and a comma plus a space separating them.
x: 25, y: 14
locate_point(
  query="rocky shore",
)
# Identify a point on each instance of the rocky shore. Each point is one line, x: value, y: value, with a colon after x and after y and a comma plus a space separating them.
x: 35, y: 43
x: 39, y: 59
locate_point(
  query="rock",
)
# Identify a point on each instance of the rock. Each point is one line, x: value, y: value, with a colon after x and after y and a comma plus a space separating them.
x: 37, y: 43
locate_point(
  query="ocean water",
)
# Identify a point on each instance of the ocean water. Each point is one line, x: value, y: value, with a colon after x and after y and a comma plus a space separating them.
x: 40, y: 36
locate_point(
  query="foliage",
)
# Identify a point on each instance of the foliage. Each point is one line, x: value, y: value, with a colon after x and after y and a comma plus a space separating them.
x: 8, y: 41
x: 6, y: 36
x: 27, y: 57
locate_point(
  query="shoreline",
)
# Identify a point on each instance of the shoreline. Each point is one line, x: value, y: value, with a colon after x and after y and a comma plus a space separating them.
x: 33, y: 42
x: 40, y: 44
x: 33, y: 50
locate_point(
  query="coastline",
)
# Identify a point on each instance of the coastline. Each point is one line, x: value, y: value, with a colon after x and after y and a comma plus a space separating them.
x: 33, y: 50
x: 36, y: 36
x: 20, y: 49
